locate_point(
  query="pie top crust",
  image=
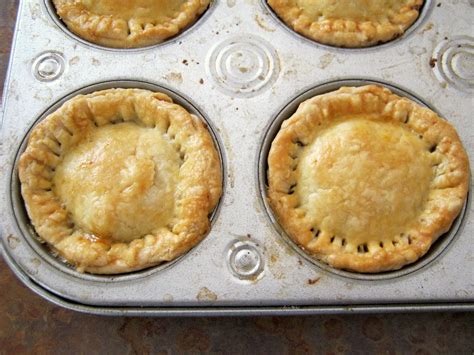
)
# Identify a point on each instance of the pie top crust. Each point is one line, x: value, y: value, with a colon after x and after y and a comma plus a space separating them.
x: 128, y: 23
x: 365, y: 180
x: 120, y: 180
x: 348, y: 23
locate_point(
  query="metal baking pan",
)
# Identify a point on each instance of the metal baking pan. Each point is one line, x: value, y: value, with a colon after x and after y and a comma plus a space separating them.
x: 242, y: 71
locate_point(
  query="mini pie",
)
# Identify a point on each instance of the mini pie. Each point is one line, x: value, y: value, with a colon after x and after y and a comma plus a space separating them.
x: 348, y: 23
x: 120, y: 180
x: 365, y: 180
x: 128, y: 23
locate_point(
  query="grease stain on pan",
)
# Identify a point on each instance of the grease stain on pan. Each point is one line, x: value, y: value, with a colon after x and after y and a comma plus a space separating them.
x: 149, y: 57
x: 45, y: 95
x: 168, y: 298
x: 429, y: 26
x: 33, y: 265
x: 273, y: 249
x: 325, y: 60
x: 174, y: 77
x: 417, y: 50
x: 12, y: 90
x: 230, y: 155
x: 13, y: 241
x: 35, y: 262
x: 74, y: 60
x: 206, y: 295
x: 35, y: 11
x: 263, y: 25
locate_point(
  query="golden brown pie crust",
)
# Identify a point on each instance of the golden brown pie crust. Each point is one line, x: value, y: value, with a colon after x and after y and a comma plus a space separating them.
x: 120, y: 180
x: 348, y: 23
x: 128, y: 23
x: 365, y: 180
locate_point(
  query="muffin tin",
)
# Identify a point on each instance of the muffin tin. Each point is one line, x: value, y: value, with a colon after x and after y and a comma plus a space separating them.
x: 242, y: 71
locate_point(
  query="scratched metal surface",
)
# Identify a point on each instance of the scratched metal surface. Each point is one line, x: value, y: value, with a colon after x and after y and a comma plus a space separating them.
x: 273, y: 66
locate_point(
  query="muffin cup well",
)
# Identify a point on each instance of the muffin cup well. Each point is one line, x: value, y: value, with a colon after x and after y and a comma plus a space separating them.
x: 50, y: 9
x: 425, y: 12
x: 437, y: 249
x: 18, y: 207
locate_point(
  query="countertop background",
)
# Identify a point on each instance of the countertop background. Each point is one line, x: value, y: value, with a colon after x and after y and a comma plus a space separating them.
x: 29, y: 324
